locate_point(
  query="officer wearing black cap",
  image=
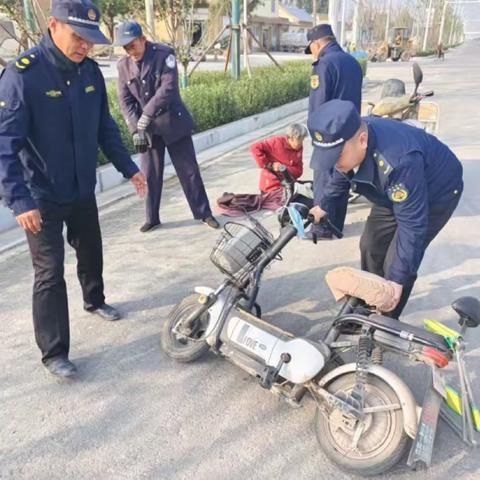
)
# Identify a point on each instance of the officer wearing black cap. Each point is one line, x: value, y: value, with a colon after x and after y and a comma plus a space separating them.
x: 335, y: 75
x: 155, y: 114
x: 53, y: 117
x: 413, y: 180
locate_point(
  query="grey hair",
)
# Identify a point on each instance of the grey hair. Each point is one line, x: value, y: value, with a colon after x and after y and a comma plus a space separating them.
x: 297, y: 130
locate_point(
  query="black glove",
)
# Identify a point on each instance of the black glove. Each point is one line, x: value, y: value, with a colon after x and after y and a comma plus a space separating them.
x: 140, y: 141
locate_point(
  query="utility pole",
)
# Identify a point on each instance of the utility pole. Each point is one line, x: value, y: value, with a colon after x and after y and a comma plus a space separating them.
x: 342, y: 29
x: 427, y: 26
x: 387, y: 23
x: 150, y: 17
x: 28, y: 15
x: 333, y: 15
x: 314, y: 12
x: 245, y: 34
x: 442, y: 22
x: 236, y: 39
x: 356, y: 23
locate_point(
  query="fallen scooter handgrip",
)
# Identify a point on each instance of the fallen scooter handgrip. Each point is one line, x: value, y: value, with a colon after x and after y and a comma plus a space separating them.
x: 327, y: 223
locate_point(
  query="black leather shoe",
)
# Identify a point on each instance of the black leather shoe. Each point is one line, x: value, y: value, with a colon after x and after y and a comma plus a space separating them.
x: 61, y: 367
x: 106, y: 312
x: 148, y: 227
x: 211, y: 222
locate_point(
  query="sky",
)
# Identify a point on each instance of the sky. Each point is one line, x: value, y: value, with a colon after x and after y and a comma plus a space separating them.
x: 471, y: 15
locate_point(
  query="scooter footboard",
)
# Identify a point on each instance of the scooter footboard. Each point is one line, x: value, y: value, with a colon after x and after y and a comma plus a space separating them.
x: 410, y: 410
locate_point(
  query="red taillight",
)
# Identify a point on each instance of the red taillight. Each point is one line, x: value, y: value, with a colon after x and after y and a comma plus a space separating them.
x: 440, y: 359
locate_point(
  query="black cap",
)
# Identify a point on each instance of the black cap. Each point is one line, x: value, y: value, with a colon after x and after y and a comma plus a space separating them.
x: 83, y: 16
x: 127, y: 32
x: 319, y: 31
x: 330, y: 126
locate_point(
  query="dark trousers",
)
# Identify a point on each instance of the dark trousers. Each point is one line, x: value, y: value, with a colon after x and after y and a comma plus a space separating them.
x: 50, y: 305
x: 185, y: 163
x: 378, y: 242
x: 323, y: 184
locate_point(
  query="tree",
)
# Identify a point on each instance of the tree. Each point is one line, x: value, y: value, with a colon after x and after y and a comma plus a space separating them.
x: 178, y: 18
x: 30, y: 26
x: 307, y: 5
x: 112, y: 9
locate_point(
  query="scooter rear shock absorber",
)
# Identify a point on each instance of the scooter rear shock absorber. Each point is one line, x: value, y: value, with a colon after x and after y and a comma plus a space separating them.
x: 364, y: 353
x: 377, y: 355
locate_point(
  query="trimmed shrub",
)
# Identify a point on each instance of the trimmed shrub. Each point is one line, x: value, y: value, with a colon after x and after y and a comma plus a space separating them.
x: 214, y: 99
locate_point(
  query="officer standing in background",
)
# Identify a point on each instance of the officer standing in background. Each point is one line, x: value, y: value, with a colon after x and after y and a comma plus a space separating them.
x: 335, y: 75
x: 155, y: 114
x: 413, y: 180
x: 53, y: 117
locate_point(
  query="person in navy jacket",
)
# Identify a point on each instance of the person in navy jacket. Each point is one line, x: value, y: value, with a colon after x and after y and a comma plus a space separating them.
x: 413, y: 180
x: 335, y: 75
x: 54, y: 116
x: 157, y: 118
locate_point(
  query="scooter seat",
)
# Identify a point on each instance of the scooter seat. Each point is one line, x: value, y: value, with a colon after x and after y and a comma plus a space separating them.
x: 408, y: 332
x: 469, y: 310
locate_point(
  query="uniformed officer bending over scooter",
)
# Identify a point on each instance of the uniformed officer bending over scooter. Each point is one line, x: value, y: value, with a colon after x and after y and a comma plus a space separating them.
x: 413, y: 180
x: 152, y: 106
x: 53, y: 117
x: 335, y: 75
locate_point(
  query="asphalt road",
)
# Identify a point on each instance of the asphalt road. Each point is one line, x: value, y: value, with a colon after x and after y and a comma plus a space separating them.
x: 133, y: 413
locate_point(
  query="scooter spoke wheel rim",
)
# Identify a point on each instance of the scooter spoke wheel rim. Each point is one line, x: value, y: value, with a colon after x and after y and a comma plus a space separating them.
x: 376, y: 429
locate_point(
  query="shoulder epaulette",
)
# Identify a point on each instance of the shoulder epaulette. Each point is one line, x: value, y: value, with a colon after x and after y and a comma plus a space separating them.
x: 25, y: 61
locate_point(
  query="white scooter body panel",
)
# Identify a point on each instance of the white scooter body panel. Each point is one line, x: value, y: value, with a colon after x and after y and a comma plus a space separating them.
x: 306, y: 360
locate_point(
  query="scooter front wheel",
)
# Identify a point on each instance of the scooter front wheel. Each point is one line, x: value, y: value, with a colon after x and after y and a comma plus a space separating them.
x: 180, y: 345
x: 372, y: 445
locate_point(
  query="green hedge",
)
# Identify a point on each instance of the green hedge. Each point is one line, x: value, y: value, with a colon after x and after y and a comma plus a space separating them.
x: 214, y: 99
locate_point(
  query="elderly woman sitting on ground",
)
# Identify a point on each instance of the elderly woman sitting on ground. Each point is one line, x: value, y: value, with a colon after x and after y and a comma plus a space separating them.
x: 270, y: 154
x: 273, y: 152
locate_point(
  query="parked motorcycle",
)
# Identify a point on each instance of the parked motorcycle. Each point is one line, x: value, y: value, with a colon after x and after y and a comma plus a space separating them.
x: 366, y: 414
x: 395, y: 103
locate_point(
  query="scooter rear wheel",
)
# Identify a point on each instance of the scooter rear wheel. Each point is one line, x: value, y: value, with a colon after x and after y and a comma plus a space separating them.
x: 176, y: 344
x: 383, y: 441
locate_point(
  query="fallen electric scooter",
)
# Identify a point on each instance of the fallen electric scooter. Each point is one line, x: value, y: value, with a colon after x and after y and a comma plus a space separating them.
x: 366, y: 414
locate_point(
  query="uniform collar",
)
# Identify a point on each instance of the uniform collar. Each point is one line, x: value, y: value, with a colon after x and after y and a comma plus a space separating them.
x: 55, y: 56
x: 145, y: 63
x: 147, y: 59
x: 366, y: 172
x: 333, y: 46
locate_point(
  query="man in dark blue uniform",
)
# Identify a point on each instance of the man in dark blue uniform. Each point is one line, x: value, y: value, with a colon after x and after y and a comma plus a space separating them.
x: 155, y: 114
x: 335, y: 75
x: 53, y: 117
x: 413, y: 179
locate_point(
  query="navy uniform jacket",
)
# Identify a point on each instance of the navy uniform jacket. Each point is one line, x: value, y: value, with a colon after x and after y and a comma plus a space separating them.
x: 335, y: 75
x: 407, y: 170
x: 53, y: 117
x: 151, y: 87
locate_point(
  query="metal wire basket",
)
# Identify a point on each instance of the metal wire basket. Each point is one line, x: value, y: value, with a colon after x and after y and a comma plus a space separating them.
x: 239, y: 248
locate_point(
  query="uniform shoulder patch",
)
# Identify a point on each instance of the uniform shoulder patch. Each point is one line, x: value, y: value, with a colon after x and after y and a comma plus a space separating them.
x: 314, y: 82
x: 397, y: 193
x: 25, y: 61
x: 170, y: 61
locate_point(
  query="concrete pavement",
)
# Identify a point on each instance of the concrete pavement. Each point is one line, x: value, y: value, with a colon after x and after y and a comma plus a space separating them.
x: 133, y: 413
